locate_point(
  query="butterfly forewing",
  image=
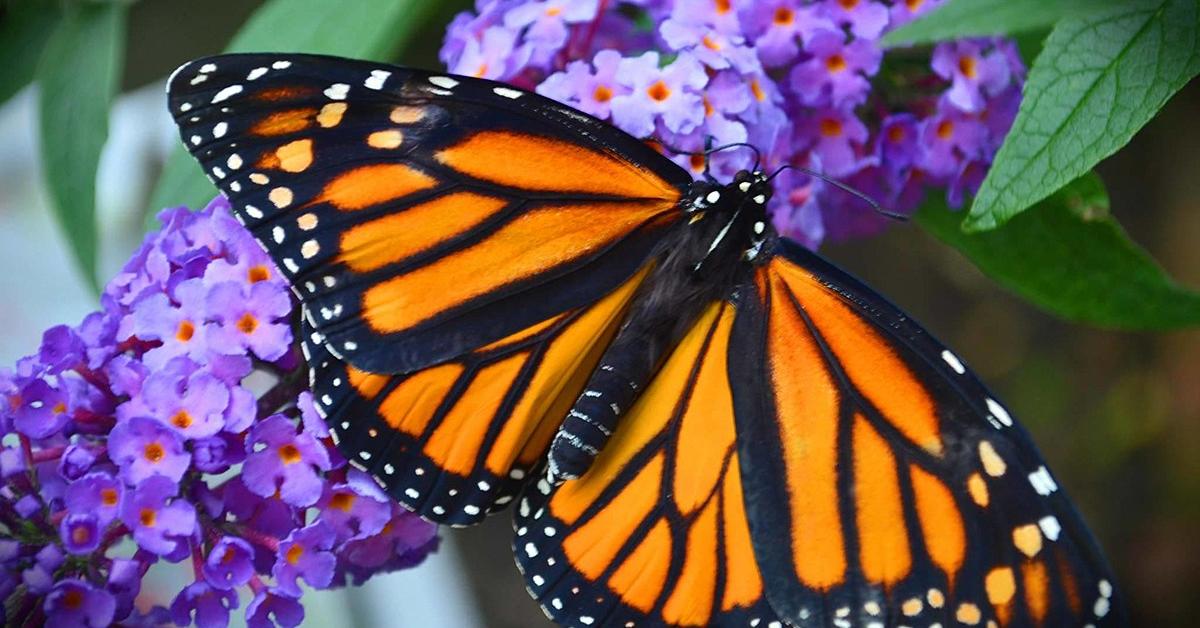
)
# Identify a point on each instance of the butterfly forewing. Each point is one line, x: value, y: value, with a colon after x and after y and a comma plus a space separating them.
x: 420, y: 216
x: 884, y: 483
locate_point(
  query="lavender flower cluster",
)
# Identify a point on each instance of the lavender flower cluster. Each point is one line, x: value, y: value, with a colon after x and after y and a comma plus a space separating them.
x: 806, y: 82
x: 172, y: 426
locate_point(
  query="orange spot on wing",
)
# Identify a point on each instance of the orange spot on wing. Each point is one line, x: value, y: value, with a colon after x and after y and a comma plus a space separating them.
x: 870, y: 362
x: 401, y: 235
x: 645, y: 420
x: 978, y: 489
x: 706, y: 429
x: 743, y: 583
x: 534, y: 242
x: 295, y: 156
x: 331, y: 114
x: 1000, y: 587
x: 533, y: 162
x: 560, y: 377
x: 883, y: 540
x: 275, y: 94
x: 367, y: 384
x: 807, y: 408
x: 1037, y: 589
x: 374, y: 184
x: 941, y: 522
x: 284, y: 122
x: 691, y: 600
x: 1069, y: 584
x: 409, y: 407
x: 639, y: 580
x: 406, y: 115
x: 592, y: 546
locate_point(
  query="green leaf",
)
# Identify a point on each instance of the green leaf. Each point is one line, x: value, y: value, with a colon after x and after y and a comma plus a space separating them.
x: 24, y: 29
x: 1068, y: 256
x: 1097, y: 81
x: 366, y: 29
x: 78, y: 77
x: 976, y: 18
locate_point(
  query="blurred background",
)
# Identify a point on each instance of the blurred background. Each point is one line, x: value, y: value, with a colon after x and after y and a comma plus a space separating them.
x: 1116, y: 414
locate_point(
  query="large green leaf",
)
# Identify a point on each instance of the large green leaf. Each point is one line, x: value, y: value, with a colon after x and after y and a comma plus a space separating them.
x: 1070, y: 257
x: 1097, y: 81
x: 77, y: 77
x: 24, y: 29
x: 366, y: 29
x: 976, y: 18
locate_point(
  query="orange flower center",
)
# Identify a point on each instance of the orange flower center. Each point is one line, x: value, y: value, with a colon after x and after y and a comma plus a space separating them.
x: 708, y: 108
x: 108, y: 496
x: 294, y: 553
x: 258, y: 273
x: 553, y: 11
x: 342, y: 501
x: 182, y: 420
x: 723, y: 6
x: 154, y: 452
x: 945, y: 129
x: 848, y: 4
x: 73, y: 599
x: 186, y: 331
x: 836, y: 63
x: 247, y: 323
x: 602, y: 93
x: 784, y: 16
x: 697, y: 163
x: 831, y: 127
x: 896, y: 134
x: 757, y: 90
x: 710, y: 43
x: 228, y: 556
x: 59, y: 408
x: 913, y: 5
x: 483, y: 68
x: 148, y: 517
x: 289, y: 454
x: 659, y: 91
x: 80, y: 535
x: 967, y: 65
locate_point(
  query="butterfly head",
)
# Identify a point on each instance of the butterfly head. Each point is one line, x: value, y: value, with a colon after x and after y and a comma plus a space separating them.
x: 731, y: 218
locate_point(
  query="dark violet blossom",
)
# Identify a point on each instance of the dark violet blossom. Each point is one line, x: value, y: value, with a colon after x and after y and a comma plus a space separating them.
x: 801, y: 80
x: 138, y: 429
x: 74, y: 602
x: 203, y: 605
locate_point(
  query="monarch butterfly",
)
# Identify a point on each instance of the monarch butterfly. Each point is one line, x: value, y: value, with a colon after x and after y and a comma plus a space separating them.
x: 699, y: 421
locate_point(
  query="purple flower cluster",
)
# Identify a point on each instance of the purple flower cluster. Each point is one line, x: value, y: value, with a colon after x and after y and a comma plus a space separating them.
x: 805, y: 82
x: 170, y: 426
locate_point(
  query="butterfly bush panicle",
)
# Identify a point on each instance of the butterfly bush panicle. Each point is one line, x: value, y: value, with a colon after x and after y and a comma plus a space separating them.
x: 135, y: 438
x: 808, y: 83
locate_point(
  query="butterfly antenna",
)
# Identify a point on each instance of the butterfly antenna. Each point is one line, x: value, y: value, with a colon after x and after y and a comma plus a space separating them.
x: 709, y: 149
x: 845, y: 188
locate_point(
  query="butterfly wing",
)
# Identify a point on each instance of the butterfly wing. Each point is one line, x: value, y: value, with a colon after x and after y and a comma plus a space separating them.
x: 421, y: 216
x: 883, y: 482
x: 655, y: 533
x: 809, y: 455
x: 463, y: 252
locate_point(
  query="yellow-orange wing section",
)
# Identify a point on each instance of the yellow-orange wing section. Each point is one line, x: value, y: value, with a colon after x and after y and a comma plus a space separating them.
x: 421, y: 216
x: 884, y: 484
x: 457, y: 440
x: 655, y: 533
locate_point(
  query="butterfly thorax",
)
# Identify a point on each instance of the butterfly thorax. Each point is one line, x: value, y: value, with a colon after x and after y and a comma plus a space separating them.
x: 721, y: 238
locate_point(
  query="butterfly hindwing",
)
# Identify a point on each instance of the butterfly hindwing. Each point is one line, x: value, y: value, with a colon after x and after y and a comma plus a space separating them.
x: 421, y: 216
x: 457, y: 440
x: 883, y: 482
x: 655, y: 533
